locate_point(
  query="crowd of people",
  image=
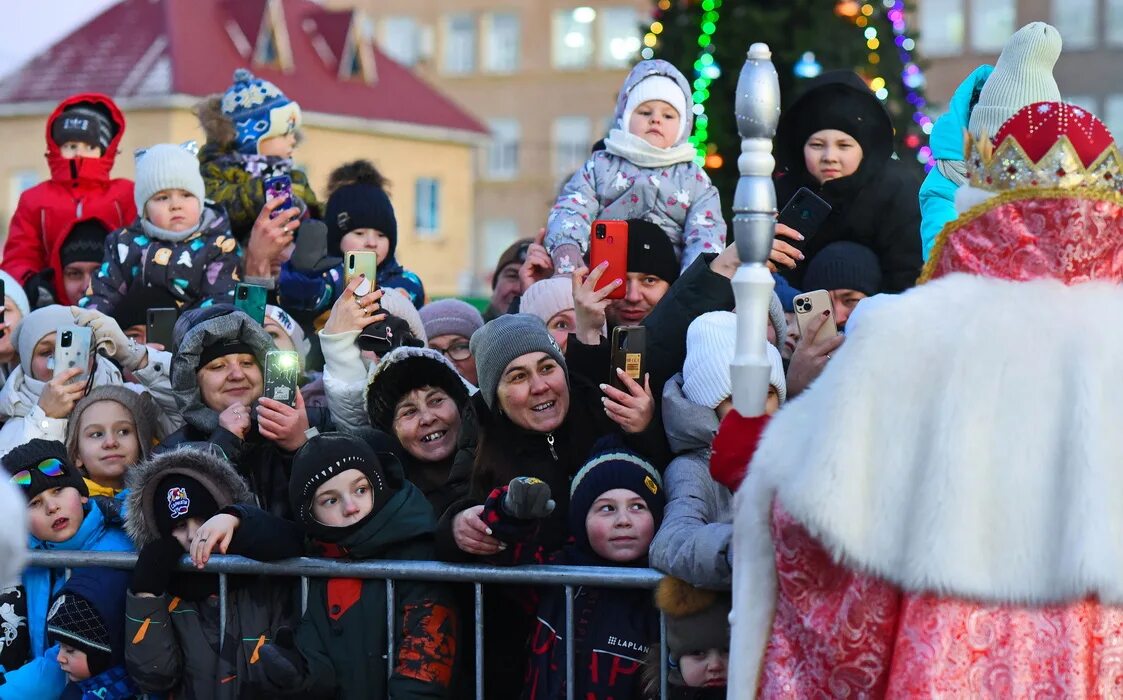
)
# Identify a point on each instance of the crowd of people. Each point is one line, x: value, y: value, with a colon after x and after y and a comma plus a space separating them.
x: 423, y: 429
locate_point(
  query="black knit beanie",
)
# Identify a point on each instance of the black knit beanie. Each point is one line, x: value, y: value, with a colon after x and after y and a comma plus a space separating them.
x: 324, y: 457
x: 39, y: 465
x: 84, y: 243
x: 844, y: 265
x: 224, y: 346
x: 179, y: 497
x: 612, y: 466
x: 650, y: 251
x: 84, y: 122
x: 356, y: 206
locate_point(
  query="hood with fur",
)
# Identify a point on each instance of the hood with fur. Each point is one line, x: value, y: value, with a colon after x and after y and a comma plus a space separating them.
x: 646, y: 69
x: 200, y: 329
x: 210, y: 470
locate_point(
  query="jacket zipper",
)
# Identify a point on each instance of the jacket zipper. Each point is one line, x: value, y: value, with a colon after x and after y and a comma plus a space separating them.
x: 550, y: 444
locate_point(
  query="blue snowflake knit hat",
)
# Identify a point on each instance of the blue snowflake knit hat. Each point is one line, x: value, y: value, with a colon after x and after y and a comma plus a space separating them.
x: 259, y: 110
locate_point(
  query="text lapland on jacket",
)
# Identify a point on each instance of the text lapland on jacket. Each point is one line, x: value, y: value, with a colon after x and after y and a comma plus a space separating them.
x: 679, y: 198
x: 79, y: 189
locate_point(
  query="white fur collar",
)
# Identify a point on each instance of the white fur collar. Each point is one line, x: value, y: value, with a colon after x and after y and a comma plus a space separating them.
x: 964, y: 441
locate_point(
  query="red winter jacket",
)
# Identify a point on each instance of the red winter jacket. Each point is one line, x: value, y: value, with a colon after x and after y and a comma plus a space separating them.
x: 79, y: 189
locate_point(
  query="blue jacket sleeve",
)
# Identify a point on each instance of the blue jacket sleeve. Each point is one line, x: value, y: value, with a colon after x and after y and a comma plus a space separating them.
x: 39, y: 678
x: 309, y: 291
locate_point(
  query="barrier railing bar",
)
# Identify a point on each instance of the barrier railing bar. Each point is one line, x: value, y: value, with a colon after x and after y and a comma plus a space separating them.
x: 603, y: 576
x: 479, y: 606
x: 390, y: 629
x: 569, y: 644
x: 303, y: 595
x: 662, y: 654
x: 221, y: 611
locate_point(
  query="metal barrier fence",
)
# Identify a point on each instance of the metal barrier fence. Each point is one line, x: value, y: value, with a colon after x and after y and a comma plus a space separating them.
x: 304, y: 568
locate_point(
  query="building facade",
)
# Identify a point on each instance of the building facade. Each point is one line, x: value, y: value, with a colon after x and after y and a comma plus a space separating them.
x: 542, y: 75
x: 958, y: 35
x: 151, y: 57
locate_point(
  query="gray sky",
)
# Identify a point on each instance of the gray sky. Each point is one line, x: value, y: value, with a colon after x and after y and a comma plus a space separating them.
x: 30, y: 26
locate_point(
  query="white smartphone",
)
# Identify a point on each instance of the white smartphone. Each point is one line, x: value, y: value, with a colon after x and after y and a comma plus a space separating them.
x: 72, y: 349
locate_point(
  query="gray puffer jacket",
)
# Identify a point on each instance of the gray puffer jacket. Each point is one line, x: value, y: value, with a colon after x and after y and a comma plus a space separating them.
x: 173, y: 642
x: 694, y: 541
x: 679, y: 198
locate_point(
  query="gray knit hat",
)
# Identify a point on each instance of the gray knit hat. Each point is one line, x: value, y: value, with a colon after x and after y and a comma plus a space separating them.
x: 503, y: 340
x: 1022, y: 76
x: 450, y: 317
x: 141, y: 407
x: 166, y: 166
x: 34, y: 326
x: 777, y: 320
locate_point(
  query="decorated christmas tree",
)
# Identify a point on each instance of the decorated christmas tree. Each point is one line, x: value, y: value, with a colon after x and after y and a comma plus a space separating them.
x: 707, y: 41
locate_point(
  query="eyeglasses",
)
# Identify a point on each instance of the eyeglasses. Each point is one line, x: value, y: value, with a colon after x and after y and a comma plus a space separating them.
x: 458, y: 352
x: 48, y: 467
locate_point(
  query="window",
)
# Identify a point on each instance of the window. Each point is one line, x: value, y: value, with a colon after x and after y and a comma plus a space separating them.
x: 401, y: 39
x: 460, y: 44
x: 992, y: 23
x: 427, y: 207
x: 941, y: 27
x: 573, y: 37
x: 1114, y: 22
x: 571, y: 144
x: 21, y: 181
x: 619, y: 38
x: 502, y: 43
x: 503, y: 155
x: 1076, y: 20
x: 1113, y: 113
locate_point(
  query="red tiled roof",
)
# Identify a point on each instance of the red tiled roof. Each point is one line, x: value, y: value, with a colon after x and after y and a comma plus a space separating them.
x: 153, y: 48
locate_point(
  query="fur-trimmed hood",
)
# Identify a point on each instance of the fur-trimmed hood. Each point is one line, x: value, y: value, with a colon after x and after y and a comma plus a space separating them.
x: 213, y: 472
x: 219, y: 322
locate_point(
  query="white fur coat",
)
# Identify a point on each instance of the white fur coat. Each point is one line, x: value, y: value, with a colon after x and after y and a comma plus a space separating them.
x: 967, y: 439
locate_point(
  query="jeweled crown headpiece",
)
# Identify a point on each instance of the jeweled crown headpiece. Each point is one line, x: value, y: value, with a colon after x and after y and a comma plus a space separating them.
x: 1046, y: 145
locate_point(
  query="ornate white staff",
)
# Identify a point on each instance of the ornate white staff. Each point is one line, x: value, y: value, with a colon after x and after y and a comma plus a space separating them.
x: 754, y: 221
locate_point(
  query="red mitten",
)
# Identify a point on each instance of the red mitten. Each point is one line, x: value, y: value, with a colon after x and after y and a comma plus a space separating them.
x: 733, y: 448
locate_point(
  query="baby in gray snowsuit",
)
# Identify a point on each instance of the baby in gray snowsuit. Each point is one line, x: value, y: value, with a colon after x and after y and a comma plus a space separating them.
x: 647, y: 171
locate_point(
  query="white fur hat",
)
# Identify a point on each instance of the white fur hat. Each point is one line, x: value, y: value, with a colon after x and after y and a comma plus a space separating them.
x: 1023, y: 75
x: 710, y: 345
x: 656, y: 87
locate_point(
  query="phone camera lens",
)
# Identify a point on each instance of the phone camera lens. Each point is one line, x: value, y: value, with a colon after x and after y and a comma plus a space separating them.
x: 601, y: 231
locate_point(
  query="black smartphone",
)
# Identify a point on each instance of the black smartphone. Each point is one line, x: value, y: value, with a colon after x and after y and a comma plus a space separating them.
x: 629, y: 346
x: 282, y: 376
x: 250, y: 298
x: 3, y: 303
x: 278, y: 187
x: 160, y: 327
x: 805, y: 212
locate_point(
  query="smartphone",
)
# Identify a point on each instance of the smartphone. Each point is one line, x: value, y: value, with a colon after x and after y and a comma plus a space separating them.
x: 805, y: 212
x: 278, y: 187
x: 3, y: 302
x: 810, y: 305
x: 610, y: 242
x: 282, y: 376
x: 629, y: 347
x: 161, y: 326
x: 361, y: 262
x: 250, y: 298
x: 72, y: 349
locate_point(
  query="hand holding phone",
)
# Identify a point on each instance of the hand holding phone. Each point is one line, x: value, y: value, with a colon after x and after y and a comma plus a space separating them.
x: 628, y: 348
x: 72, y: 351
x: 250, y: 298
x: 282, y: 376
x: 609, y: 243
x: 805, y: 212
x: 278, y: 187
x: 361, y: 262
x: 810, y: 305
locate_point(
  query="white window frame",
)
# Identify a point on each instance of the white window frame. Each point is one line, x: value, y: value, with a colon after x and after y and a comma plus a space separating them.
x: 606, y: 44
x: 571, y: 139
x: 1066, y: 17
x: 502, y: 42
x: 400, y: 39
x: 564, y: 23
x: 950, y: 16
x: 427, y: 207
x: 502, y: 160
x: 1113, y: 113
x: 460, y: 44
x: 987, y: 36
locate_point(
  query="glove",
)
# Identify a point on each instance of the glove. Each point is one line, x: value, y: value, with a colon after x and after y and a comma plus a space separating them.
x: 734, y: 446
x: 40, y: 289
x: 528, y: 498
x: 311, y: 251
x: 282, y: 662
x: 109, y: 339
x: 155, y: 566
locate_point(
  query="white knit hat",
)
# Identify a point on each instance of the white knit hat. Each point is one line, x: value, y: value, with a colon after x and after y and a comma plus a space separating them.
x: 1023, y: 75
x: 397, y: 304
x: 710, y: 343
x: 292, y: 329
x: 14, y: 291
x: 167, y: 166
x: 656, y: 87
x: 546, y: 298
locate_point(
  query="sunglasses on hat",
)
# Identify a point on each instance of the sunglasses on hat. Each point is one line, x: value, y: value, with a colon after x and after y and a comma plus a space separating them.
x: 48, y: 467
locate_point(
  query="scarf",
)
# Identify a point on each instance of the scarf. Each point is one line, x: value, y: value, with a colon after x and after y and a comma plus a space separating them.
x: 114, y: 684
x: 953, y: 170
x: 642, y: 154
x: 206, y: 220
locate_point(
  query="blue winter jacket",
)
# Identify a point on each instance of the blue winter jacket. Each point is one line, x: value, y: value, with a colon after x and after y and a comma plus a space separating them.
x: 41, y: 677
x: 937, y: 194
